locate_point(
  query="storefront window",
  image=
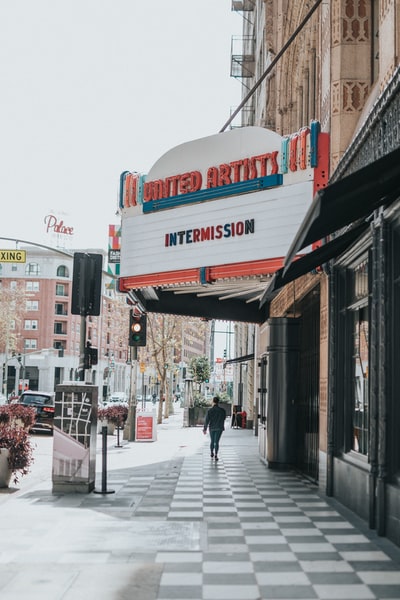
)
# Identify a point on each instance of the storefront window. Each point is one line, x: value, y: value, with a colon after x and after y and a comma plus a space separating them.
x: 360, y: 357
x: 360, y: 378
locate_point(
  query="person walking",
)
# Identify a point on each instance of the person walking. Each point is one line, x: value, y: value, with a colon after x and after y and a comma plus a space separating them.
x: 215, y: 421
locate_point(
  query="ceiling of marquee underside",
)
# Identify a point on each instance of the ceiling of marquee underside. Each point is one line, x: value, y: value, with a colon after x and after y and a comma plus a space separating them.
x: 233, y: 299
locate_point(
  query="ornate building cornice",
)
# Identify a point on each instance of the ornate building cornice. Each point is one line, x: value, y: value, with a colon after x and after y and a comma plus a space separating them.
x: 379, y: 134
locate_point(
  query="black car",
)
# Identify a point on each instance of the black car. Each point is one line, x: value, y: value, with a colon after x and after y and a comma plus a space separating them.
x: 43, y: 402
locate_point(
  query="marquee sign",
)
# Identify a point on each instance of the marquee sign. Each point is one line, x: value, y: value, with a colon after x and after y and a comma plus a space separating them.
x: 223, y: 206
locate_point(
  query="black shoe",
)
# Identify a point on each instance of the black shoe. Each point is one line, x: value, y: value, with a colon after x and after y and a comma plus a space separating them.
x: 212, y: 454
x: 216, y: 457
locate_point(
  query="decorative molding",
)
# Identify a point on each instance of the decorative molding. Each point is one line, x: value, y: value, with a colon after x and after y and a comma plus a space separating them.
x: 379, y: 134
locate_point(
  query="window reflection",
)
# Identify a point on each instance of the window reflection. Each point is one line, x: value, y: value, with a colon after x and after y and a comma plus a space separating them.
x: 360, y: 378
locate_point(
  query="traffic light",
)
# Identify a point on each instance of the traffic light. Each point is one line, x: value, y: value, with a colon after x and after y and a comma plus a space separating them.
x: 137, y: 328
x: 90, y: 356
x: 225, y: 353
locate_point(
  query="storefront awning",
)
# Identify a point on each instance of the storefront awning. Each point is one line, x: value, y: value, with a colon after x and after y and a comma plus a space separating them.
x: 239, y: 359
x: 348, y: 200
x: 311, y: 261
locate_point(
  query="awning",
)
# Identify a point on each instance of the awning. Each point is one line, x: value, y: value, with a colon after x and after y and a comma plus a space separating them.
x: 239, y: 359
x: 348, y: 200
x: 311, y: 261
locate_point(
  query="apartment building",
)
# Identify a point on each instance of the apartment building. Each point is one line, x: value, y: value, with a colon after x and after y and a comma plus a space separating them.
x: 40, y: 337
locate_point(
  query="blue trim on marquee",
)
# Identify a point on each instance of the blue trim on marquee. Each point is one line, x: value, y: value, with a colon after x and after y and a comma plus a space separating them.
x: 315, y: 128
x: 232, y: 189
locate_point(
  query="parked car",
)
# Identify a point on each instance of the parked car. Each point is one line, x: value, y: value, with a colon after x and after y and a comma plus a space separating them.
x: 44, y: 404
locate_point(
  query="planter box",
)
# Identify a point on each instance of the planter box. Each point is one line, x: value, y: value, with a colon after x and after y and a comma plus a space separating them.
x: 5, y: 471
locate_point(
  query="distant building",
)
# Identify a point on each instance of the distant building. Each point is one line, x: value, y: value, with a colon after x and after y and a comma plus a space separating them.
x: 40, y: 347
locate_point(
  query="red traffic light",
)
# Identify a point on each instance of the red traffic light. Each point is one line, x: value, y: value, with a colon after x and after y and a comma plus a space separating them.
x: 137, y: 329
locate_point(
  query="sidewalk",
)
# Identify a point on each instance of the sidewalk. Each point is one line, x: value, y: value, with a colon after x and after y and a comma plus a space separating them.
x: 181, y: 526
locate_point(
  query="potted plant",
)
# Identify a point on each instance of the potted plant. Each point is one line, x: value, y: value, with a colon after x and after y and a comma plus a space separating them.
x: 16, y: 452
x: 113, y: 416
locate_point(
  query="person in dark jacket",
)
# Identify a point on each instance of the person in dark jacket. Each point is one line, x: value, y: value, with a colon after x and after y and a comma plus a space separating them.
x: 215, y: 421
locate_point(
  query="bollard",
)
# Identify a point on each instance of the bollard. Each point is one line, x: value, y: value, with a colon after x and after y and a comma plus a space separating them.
x: 104, y: 464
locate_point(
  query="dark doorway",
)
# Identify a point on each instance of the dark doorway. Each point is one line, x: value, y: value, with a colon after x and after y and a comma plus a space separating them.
x: 308, y: 398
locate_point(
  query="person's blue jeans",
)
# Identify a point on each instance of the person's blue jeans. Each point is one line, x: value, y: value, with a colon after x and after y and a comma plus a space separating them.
x: 215, y: 436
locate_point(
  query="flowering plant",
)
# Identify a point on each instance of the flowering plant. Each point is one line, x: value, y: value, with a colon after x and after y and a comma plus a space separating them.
x: 17, y: 413
x: 15, y: 438
x: 114, y: 414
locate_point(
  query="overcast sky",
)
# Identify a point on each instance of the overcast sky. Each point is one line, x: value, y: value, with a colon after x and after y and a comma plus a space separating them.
x: 90, y: 88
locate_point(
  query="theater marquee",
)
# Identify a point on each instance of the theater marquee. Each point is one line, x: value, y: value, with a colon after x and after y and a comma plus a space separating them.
x: 223, y: 206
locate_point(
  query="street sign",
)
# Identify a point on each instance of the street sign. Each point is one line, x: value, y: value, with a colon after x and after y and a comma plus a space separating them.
x: 13, y: 256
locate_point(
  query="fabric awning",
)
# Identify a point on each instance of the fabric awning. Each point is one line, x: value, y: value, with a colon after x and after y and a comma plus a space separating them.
x: 311, y: 261
x: 239, y: 359
x: 348, y: 200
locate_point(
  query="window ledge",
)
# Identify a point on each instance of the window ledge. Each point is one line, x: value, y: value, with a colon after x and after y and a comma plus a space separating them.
x: 359, y: 460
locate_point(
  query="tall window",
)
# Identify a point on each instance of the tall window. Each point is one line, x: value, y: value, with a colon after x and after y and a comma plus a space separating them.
x: 32, y: 305
x: 60, y: 289
x: 32, y: 269
x: 30, y: 344
x: 62, y: 271
x: 359, y: 313
x: 32, y: 286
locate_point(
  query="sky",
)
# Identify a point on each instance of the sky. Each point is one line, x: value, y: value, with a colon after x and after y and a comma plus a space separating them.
x: 91, y: 88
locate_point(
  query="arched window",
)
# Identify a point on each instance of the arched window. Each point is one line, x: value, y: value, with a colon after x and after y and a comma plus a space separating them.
x: 62, y: 271
x: 32, y: 269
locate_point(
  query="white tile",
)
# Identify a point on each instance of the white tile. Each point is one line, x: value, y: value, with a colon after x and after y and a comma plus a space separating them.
x: 260, y: 525
x: 308, y: 531
x: 296, y: 519
x: 230, y: 592
x: 380, y: 577
x: 285, y: 578
x: 179, y: 557
x: 344, y: 592
x: 347, y: 539
x: 364, y: 556
x: 325, y: 566
x: 273, y: 557
x: 181, y: 579
x: 253, y: 513
x: 317, y: 547
x: 265, y: 539
x: 333, y: 525
x: 227, y: 567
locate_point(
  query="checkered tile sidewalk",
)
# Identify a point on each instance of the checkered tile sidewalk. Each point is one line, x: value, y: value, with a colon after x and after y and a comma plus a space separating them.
x: 266, y: 535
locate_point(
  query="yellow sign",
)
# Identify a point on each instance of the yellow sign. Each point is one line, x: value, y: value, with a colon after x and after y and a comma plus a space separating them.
x: 13, y: 256
x: 142, y: 367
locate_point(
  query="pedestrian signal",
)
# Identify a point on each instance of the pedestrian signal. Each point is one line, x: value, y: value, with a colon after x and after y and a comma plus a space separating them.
x: 137, y: 328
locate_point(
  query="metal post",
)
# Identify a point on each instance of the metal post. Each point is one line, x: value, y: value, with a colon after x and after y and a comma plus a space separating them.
x: 104, y: 465
x: 130, y: 425
x: 82, y: 346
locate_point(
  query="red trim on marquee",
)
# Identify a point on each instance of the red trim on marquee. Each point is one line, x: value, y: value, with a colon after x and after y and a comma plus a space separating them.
x: 321, y: 172
x: 255, y: 267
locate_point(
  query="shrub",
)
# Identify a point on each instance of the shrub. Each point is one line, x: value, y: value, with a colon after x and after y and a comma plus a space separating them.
x: 15, y: 421
x: 114, y: 414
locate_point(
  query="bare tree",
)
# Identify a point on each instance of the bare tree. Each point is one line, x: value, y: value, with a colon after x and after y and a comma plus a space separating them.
x: 163, y: 344
x: 12, y: 307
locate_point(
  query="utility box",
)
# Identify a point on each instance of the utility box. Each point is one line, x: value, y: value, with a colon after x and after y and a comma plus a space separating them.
x: 75, y: 436
x: 283, y: 356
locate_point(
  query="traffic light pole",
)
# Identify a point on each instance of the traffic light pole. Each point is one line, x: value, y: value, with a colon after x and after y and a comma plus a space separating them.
x: 82, y: 346
x: 130, y: 425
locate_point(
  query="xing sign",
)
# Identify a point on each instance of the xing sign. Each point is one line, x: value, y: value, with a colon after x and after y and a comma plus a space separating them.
x: 13, y: 256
